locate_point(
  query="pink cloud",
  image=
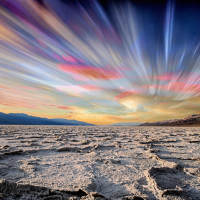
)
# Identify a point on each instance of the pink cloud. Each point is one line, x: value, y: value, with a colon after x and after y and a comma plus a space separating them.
x: 166, y: 77
x: 71, y: 59
x: 17, y: 103
x: 192, y: 77
x: 41, y: 43
x: 125, y: 94
x: 90, y: 72
x: 57, y: 57
x: 61, y: 107
x: 182, y: 86
x: 64, y: 107
x: 90, y: 87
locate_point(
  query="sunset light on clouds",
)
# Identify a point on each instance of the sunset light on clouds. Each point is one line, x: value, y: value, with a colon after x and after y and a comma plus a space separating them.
x: 100, y: 62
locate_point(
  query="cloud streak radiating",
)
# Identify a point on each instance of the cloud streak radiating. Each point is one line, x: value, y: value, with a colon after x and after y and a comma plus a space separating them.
x: 97, y: 62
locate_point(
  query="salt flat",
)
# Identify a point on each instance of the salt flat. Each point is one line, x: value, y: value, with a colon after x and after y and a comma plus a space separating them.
x: 63, y: 162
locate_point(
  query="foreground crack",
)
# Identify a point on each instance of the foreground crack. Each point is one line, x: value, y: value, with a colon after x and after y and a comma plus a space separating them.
x: 11, y: 189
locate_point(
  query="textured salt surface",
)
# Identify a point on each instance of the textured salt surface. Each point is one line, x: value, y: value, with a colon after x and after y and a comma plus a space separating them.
x: 57, y: 162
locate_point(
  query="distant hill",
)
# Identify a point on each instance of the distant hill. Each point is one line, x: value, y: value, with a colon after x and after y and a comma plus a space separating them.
x: 24, y: 119
x: 190, y: 120
x: 126, y: 124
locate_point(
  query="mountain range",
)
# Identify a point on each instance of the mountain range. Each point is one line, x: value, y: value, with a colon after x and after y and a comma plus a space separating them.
x: 24, y: 119
x: 192, y: 120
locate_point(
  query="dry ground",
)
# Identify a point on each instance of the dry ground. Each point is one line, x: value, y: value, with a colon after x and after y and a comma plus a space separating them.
x: 63, y: 162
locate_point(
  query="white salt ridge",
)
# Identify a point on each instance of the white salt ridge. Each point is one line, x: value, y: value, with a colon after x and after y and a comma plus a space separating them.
x: 99, y: 162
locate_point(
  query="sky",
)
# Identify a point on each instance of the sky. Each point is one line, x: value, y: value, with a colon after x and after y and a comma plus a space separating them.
x: 101, y: 62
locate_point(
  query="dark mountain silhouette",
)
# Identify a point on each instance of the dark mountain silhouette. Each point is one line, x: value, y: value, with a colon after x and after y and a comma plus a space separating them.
x: 24, y: 119
x: 193, y: 120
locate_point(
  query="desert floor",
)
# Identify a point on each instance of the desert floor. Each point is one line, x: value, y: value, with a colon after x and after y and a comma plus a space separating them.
x: 65, y: 162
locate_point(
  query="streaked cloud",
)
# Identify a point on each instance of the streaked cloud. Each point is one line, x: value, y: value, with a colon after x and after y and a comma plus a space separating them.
x: 99, y: 63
